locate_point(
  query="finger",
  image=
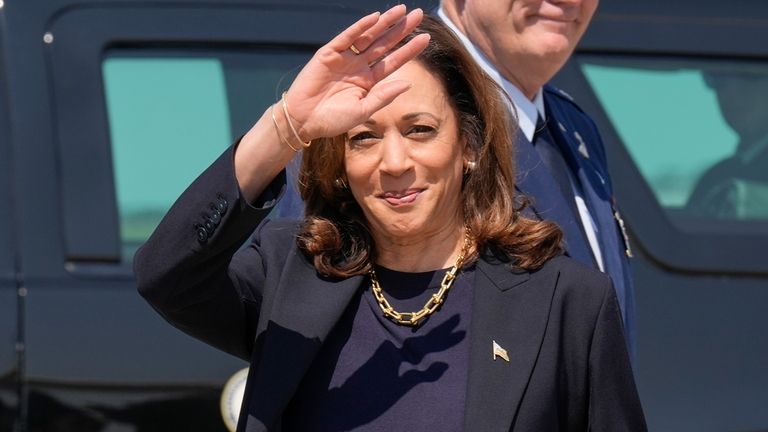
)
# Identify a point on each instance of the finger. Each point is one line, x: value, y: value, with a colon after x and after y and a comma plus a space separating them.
x: 399, y: 57
x: 343, y: 40
x: 387, y: 20
x: 381, y: 46
x: 382, y: 94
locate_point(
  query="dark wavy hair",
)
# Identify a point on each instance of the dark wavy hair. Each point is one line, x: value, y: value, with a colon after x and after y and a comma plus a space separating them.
x: 336, y: 234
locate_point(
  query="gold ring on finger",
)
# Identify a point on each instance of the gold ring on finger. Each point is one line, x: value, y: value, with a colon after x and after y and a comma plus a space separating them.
x: 354, y: 49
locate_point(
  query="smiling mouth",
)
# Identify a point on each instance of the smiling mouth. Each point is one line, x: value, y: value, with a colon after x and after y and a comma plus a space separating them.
x: 557, y: 19
x: 401, y: 198
x: 554, y: 19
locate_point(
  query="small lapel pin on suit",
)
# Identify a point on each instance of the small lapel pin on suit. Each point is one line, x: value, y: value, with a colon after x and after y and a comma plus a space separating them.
x: 498, y: 351
x: 582, y: 145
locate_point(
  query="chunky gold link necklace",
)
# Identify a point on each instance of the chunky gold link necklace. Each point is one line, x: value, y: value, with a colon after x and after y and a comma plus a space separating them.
x: 435, y: 300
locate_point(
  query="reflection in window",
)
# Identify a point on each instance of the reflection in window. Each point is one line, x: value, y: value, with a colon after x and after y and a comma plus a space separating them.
x: 171, y: 114
x: 697, y: 130
x: 737, y: 186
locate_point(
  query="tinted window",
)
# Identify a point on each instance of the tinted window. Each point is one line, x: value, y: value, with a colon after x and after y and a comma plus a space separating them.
x: 697, y: 131
x: 171, y: 114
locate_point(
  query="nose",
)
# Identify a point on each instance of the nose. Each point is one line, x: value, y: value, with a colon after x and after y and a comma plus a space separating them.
x: 395, y: 158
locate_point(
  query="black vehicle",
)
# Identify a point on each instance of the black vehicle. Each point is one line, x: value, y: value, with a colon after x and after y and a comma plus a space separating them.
x: 100, y: 100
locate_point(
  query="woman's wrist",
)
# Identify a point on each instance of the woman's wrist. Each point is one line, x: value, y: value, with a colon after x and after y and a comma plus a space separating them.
x: 295, y: 131
x: 261, y: 153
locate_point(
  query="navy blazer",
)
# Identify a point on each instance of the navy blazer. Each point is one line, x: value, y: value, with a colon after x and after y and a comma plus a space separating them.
x: 579, y: 141
x: 568, y: 367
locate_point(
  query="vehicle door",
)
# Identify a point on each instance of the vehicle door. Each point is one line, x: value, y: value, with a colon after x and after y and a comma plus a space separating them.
x: 679, y: 93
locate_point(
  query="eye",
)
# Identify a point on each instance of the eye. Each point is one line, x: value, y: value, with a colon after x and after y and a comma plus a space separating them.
x: 361, y: 137
x: 421, y: 130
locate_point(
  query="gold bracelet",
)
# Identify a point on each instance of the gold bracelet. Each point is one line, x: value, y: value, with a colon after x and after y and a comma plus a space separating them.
x: 288, y: 119
x: 279, y: 135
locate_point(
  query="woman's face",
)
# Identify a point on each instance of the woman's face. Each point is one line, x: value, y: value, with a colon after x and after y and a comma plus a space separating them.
x: 404, y: 165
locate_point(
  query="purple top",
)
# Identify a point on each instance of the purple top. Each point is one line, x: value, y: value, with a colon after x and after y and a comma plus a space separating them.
x: 374, y: 375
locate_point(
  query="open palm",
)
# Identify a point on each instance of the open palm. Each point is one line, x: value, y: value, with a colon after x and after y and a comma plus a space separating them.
x: 339, y: 89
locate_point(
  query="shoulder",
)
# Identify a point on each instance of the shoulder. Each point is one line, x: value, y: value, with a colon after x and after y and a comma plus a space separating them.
x: 565, y: 109
x: 578, y: 285
x: 556, y: 95
x: 268, y: 251
x: 272, y: 242
x: 574, y: 122
x: 279, y: 229
x: 569, y: 267
x: 277, y: 236
x: 565, y: 275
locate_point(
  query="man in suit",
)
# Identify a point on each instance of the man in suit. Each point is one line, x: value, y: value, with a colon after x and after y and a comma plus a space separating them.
x: 560, y: 159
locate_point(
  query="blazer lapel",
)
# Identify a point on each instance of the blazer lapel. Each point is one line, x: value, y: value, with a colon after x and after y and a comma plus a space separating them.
x: 512, y: 310
x: 535, y: 181
x: 305, y: 309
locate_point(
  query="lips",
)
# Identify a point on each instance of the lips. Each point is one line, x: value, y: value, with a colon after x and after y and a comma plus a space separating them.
x: 556, y: 19
x: 396, y: 198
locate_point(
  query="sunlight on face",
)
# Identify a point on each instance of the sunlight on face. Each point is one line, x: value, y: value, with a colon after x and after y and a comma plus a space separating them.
x: 404, y: 165
x: 521, y: 36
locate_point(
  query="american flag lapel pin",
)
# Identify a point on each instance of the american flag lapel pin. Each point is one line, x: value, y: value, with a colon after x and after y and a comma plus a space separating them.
x: 498, y: 351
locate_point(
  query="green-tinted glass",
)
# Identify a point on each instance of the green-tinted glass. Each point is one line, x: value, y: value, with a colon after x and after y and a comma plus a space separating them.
x: 697, y: 130
x: 171, y: 115
x: 168, y: 119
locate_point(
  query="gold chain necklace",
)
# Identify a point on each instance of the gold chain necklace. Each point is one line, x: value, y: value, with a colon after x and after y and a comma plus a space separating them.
x: 435, y: 300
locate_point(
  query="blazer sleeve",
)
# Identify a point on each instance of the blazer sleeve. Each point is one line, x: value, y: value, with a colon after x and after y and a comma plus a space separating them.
x: 614, y: 404
x: 188, y: 271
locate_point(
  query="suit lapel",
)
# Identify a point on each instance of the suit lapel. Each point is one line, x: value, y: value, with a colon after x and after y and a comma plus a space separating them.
x: 534, y: 180
x: 595, y: 189
x: 577, y: 150
x: 305, y: 309
x: 512, y: 309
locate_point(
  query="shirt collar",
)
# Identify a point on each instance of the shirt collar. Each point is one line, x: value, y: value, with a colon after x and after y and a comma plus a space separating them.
x: 525, y: 110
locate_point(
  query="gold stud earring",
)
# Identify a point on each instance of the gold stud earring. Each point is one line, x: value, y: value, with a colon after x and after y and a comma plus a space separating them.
x: 469, y: 167
x: 340, y: 183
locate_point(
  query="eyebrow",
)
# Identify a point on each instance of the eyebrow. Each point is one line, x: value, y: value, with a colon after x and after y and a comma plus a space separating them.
x: 409, y: 116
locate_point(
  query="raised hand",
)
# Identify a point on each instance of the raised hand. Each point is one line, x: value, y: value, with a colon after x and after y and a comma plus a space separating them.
x: 337, y: 90
x: 343, y: 84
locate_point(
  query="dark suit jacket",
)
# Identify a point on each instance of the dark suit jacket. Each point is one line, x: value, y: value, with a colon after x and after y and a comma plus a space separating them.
x: 579, y: 141
x: 568, y: 367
